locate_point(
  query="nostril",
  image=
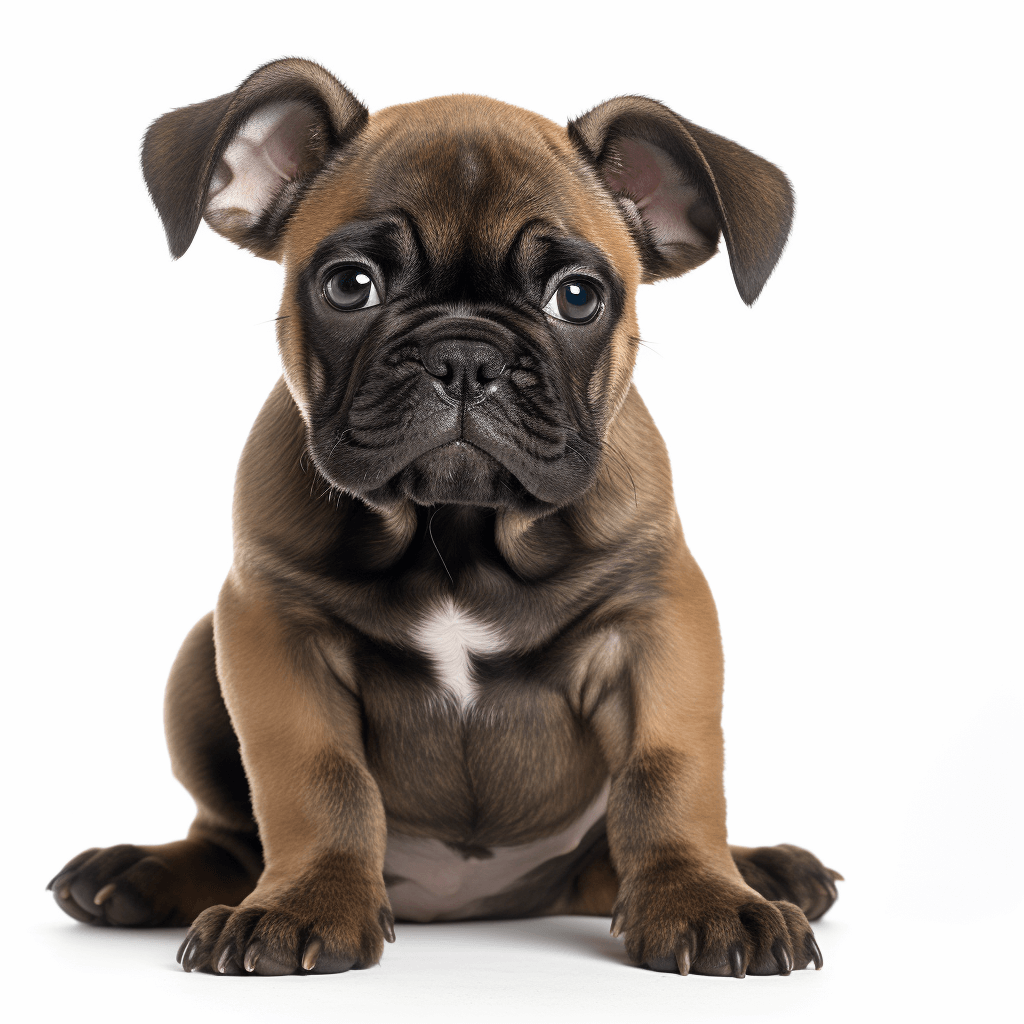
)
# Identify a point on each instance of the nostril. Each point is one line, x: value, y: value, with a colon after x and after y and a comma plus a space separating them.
x: 439, y: 368
x: 463, y: 368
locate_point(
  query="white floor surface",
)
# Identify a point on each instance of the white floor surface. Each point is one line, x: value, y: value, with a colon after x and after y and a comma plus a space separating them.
x: 563, y: 969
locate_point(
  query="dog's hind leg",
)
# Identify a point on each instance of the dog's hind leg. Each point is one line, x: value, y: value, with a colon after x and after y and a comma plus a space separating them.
x: 777, y: 872
x: 788, y: 873
x: 592, y: 888
x: 221, y: 859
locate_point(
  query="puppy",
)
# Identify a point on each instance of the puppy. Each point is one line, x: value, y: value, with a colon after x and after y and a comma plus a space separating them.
x: 463, y: 665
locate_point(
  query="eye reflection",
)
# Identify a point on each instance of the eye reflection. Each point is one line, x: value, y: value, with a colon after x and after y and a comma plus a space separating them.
x: 576, y: 301
x: 351, y: 287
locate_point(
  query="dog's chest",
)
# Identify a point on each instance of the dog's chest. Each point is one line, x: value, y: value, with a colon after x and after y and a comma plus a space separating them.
x: 450, y: 636
x: 490, y: 756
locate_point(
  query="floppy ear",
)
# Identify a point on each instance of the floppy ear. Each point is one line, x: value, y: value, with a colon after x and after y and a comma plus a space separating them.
x: 240, y: 160
x: 679, y: 185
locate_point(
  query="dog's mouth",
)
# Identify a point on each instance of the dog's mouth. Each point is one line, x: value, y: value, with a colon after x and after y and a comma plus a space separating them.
x: 459, y: 473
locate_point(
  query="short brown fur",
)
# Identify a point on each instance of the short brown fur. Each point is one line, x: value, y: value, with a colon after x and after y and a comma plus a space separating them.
x: 302, y: 716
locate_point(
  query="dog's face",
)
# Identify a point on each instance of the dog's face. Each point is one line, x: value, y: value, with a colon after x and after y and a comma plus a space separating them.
x: 458, y: 320
x: 460, y: 302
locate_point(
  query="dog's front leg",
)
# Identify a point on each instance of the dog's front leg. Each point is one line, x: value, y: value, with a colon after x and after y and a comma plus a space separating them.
x: 320, y: 905
x: 682, y: 902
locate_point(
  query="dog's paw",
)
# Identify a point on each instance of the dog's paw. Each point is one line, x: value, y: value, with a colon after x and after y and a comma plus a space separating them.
x: 273, y: 940
x: 120, y: 885
x: 701, y: 925
x: 789, y: 873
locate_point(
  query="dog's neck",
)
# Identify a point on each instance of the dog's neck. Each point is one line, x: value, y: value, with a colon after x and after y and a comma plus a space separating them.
x: 278, y: 484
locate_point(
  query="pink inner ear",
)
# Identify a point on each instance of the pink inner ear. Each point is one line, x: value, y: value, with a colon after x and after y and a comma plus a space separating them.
x: 662, y: 194
x: 632, y: 169
x: 285, y: 145
x: 266, y: 153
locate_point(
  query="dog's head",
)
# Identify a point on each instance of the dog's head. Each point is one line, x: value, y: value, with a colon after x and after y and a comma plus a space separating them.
x: 458, y: 323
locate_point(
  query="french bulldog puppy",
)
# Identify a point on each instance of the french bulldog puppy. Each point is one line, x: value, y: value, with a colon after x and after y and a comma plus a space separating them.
x: 463, y: 665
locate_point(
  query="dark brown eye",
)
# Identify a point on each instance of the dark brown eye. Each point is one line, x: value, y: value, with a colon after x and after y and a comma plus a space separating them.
x: 575, y: 301
x: 351, y: 287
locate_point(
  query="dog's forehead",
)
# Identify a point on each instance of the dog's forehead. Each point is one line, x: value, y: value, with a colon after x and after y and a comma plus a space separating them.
x: 471, y: 170
x: 464, y: 157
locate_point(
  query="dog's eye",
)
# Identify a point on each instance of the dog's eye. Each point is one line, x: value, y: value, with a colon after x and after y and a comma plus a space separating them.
x: 351, y: 288
x: 575, y: 301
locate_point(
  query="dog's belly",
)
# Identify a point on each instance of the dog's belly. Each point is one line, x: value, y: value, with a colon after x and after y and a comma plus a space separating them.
x: 430, y: 881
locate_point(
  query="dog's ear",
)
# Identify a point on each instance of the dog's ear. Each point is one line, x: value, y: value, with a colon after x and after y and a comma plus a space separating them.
x: 679, y: 185
x: 241, y: 160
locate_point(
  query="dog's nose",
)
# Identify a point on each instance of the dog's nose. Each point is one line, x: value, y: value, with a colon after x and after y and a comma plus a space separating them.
x: 464, y: 368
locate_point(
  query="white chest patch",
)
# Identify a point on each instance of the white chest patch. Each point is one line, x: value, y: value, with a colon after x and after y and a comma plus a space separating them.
x: 449, y: 637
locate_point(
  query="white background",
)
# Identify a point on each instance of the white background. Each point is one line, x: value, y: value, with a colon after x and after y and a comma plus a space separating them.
x: 846, y: 461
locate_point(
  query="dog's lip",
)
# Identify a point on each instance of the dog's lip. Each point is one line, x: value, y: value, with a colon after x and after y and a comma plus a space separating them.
x: 498, y: 455
x: 458, y: 442
x: 537, y: 493
x: 462, y: 443
x: 451, y: 442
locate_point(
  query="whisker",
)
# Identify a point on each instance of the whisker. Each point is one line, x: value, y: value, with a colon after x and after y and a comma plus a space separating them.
x: 578, y: 453
x: 430, y: 532
x: 347, y: 430
x: 646, y: 344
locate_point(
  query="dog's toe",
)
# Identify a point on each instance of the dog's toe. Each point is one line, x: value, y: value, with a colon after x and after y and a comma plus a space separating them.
x: 790, y: 873
x: 120, y: 885
x: 270, y: 942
